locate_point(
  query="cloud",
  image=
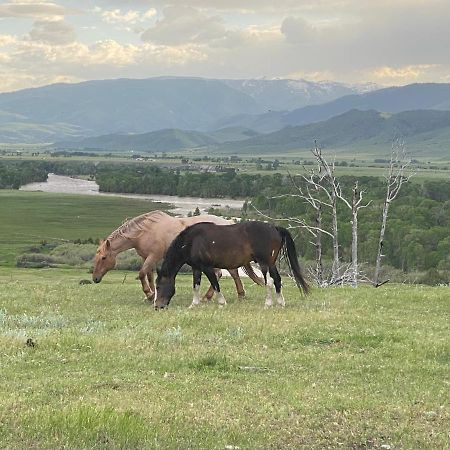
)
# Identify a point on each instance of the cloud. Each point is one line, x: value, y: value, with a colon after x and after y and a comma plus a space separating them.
x: 184, y: 24
x: 297, y: 30
x: 130, y: 17
x: 7, y: 39
x: 346, y: 40
x: 396, y: 75
x: 56, y: 32
x: 32, y: 10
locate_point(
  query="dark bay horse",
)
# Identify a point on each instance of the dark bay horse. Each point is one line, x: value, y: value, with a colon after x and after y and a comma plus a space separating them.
x: 150, y: 235
x: 205, y: 245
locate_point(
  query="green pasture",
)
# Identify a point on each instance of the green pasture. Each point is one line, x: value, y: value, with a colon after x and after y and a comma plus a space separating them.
x: 344, y: 368
x: 28, y: 218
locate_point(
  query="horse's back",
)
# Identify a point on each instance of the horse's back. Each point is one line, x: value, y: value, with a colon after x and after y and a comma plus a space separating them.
x: 233, y: 245
x: 206, y: 218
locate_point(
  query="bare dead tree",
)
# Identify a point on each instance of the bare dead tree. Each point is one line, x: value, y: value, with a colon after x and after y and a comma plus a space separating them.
x: 326, y: 172
x: 322, y: 190
x: 317, y: 204
x: 397, y: 174
x: 355, y: 206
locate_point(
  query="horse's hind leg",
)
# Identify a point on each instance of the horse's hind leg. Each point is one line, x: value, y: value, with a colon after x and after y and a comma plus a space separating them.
x: 209, y: 272
x: 196, y: 278
x: 146, y: 278
x: 277, y: 282
x: 210, y: 292
x: 238, y: 282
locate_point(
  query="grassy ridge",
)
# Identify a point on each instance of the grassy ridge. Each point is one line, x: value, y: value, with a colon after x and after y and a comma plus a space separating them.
x: 344, y: 368
x: 28, y: 218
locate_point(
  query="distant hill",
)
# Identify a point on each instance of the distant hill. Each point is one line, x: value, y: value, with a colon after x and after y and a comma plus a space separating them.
x: 392, y: 100
x: 170, y: 140
x: 425, y: 132
x: 129, y: 106
x: 59, y: 111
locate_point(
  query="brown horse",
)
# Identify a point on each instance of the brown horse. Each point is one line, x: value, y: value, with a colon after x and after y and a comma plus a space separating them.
x: 206, y: 245
x: 150, y: 235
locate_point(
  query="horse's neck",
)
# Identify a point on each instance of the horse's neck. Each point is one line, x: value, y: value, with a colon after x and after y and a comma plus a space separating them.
x: 120, y: 244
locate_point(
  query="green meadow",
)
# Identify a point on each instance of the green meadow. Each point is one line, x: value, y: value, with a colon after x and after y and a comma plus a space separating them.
x: 29, y: 218
x: 95, y: 367
x: 343, y: 368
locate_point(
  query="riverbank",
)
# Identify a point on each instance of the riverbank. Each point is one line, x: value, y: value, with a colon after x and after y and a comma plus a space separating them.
x: 59, y: 184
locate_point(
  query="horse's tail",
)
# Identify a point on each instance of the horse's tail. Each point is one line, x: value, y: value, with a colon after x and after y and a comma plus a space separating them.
x: 248, y: 269
x: 292, y: 258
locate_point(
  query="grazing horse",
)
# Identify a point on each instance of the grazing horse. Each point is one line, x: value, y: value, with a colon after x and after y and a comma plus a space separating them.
x: 151, y: 234
x: 206, y: 245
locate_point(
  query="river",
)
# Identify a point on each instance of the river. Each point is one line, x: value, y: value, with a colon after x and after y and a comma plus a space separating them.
x: 182, y: 205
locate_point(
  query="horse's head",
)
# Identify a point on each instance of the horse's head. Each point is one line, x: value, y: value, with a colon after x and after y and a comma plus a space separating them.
x: 165, y: 290
x: 104, y: 261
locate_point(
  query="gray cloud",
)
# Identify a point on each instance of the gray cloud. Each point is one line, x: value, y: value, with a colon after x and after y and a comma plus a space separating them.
x: 184, y: 25
x: 53, y: 32
x: 31, y: 9
x: 297, y: 30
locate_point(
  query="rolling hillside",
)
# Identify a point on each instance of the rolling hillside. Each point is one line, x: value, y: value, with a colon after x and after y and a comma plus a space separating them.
x: 425, y: 132
x: 431, y: 96
x: 157, y: 141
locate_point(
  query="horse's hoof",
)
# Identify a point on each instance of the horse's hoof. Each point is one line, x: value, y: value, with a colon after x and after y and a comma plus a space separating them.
x: 193, y: 305
x: 241, y: 297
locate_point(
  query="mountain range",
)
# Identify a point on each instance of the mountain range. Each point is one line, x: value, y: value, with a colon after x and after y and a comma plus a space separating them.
x: 93, y: 108
x: 391, y: 100
x: 239, y: 116
x: 425, y: 131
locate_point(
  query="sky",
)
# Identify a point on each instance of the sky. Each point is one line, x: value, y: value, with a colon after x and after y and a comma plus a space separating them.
x: 388, y: 42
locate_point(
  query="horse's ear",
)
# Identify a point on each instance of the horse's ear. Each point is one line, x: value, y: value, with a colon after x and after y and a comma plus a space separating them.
x: 108, y: 244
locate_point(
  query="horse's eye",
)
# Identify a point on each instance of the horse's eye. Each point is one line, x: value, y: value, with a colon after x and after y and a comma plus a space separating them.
x: 103, y: 257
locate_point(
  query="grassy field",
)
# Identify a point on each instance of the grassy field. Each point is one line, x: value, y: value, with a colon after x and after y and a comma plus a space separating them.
x: 351, y: 369
x: 27, y: 218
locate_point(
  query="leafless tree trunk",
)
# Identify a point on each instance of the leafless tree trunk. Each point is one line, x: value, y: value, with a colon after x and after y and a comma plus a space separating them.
x: 395, y: 177
x: 355, y: 206
x: 317, y: 230
x: 326, y: 172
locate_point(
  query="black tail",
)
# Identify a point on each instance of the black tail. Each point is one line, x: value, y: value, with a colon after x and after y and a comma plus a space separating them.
x: 291, y: 253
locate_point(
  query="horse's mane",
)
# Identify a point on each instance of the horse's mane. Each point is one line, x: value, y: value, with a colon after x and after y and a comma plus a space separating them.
x: 132, y: 228
x: 170, y: 260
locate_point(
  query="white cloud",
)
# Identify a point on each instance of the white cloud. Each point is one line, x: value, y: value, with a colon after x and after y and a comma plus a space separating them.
x: 130, y: 17
x: 398, y: 75
x: 7, y: 39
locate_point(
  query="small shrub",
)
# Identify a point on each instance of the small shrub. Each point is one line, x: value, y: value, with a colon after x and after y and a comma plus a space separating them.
x: 34, y: 260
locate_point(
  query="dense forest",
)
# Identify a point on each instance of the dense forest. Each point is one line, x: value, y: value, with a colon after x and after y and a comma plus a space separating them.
x: 418, y: 232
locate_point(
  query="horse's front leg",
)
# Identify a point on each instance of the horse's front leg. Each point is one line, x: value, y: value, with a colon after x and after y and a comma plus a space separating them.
x: 210, y: 273
x: 146, y: 278
x: 238, y: 282
x: 196, y: 278
x: 210, y: 292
